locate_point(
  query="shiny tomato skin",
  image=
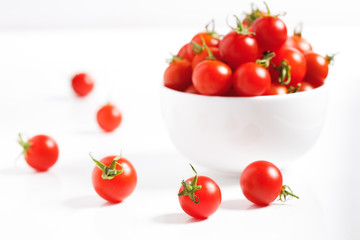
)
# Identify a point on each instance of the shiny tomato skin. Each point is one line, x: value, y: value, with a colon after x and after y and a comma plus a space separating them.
x: 121, y: 186
x: 42, y: 153
x: 270, y: 32
x: 109, y: 117
x: 295, y: 59
x: 209, y: 39
x: 261, y: 182
x: 299, y: 43
x: 82, y: 84
x: 305, y: 86
x: 177, y: 76
x: 276, y: 89
x: 203, y: 56
x: 251, y: 79
x: 317, y: 69
x: 236, y: 49
x: 209, y: 199
x: 212, y: 78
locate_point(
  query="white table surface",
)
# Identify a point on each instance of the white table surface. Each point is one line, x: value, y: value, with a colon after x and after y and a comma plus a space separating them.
x: 128, y: 64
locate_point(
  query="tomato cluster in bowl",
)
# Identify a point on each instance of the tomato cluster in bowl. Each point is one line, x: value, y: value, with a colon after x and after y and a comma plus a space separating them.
x: 255, y: 58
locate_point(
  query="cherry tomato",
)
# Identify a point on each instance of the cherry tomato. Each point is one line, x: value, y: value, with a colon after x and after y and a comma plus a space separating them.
x: 109, y: 117
x: 270, y: 32
x: 209, y: 38
x: 203, y: 55
x: 82, y: 84
x: 178, y: 75
x: 299, y: 43
x: 187, y: 52
x: 261, y: 183
x: 251, y: 79
x: 237, y: 48
x: 41, y: 152
x: 212, y: 77
x: 191, y: 89
x: 276, y: 89
x: 199, y: 196
x: 305, y: 86
x: 295, y: 59
x: 114, y: 178
x: 317, y: 68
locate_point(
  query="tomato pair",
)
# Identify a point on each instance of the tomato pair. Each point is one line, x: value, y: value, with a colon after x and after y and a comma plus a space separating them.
x: 108, y: 116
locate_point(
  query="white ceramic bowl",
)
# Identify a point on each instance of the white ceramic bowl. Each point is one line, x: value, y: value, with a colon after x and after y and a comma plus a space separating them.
x: 228, y: 133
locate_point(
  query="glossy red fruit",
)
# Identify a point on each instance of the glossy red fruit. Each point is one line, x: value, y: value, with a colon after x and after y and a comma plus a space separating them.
x: 40, y: 152
x: 317, y: 68
x: 212, y: 78
x: 177, y: 76
x: 270, y: 32
x: 109, y: 117
x: 236, y: 49
x: 261, y: 183
x: 251, y: 79
x: 114, y: 178
x: 82, y: 84
x: 294, y: 59
x: 276, y: 89
x: 199, y: 196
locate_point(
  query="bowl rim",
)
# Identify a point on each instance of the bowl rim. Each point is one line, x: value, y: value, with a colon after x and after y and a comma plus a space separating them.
x: 262, y: 97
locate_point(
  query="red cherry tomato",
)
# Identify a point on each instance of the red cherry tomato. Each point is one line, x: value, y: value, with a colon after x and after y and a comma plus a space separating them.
x: 41, y: 152
x: 178, y: 75
x: 82, y: 84
x: 199, y: 196
x: 236, y: 49
x: 305, y: 86
x: 212, y: 77
x: 191, y: 89
x: 187, y: 52
x: 270, y: 32
x: 261, y: 183
x: 109, y: 117
x: 276, y: 89
x: 294, y: 59
x: 210, y: 39
x: 251, y: 79
x: 203, y: 55
x: 299, y: 43
x: 317, y: 68
x: 114, y: 178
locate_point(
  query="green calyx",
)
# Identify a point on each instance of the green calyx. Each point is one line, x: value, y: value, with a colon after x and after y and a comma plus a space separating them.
x: 108, y: 172
x: 284, y: 72
x: 240, y: 29
x: 253, y: 15
x: 330, y: 58
x: 271, y: 15
x: 25, y: 145
x: 285, y: 192
x: 292, y: 89
x: 265, y: 61
x: 189, y: 188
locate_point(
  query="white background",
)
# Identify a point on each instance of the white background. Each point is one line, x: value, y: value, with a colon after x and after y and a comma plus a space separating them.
x: 123, y: 45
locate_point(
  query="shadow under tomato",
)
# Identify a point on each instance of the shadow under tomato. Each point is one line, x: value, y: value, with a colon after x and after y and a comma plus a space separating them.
x: 90, y: 201
x: 239, y: 204
x: 176, y: 218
